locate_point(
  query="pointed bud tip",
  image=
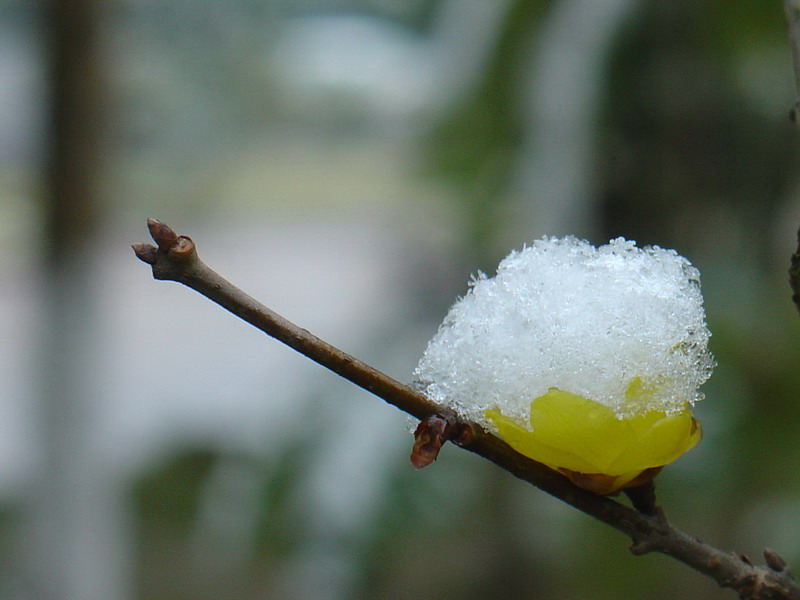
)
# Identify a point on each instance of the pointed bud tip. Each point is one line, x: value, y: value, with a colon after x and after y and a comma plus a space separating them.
x: 774, y: 560
x: 145, y: 252
x: 162, y: 234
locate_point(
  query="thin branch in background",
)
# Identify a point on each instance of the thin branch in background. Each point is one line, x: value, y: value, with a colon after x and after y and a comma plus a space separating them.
x: 794, y: 274
x: 175, y: 259
x: 792, y: 9
x: 71, y: 542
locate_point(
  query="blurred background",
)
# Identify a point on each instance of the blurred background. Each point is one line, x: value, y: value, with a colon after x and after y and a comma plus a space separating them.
x: 351, y: 163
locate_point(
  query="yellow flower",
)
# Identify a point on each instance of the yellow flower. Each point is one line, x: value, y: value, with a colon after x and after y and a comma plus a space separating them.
x: 590, y: 444
x: 585, y: 359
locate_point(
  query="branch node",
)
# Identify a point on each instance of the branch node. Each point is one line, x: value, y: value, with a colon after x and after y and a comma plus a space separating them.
x: 643, y: 498
x: 645, y: 545
x: 433, y: 432
x: 184, y: 249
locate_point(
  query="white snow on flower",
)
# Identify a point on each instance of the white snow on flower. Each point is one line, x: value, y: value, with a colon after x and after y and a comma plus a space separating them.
x: 596, y: 322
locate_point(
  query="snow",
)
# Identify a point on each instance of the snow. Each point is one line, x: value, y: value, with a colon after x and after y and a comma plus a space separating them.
x: 561, y: 313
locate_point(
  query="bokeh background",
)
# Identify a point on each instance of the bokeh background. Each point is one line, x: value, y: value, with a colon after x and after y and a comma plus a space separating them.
x: 351, y: 163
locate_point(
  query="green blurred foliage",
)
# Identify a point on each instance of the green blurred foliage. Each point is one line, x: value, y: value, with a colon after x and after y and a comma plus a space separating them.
x: 166, y: 502
x: 474, y: 144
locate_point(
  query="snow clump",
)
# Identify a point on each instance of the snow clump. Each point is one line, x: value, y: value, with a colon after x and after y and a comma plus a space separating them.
x: 621, y: 325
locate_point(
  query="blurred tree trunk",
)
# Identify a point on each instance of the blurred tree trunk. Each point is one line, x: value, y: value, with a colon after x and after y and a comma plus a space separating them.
x: 73, y: 551
x: 74, y: 127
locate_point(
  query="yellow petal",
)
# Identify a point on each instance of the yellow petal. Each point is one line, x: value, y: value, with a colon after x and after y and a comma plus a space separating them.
x: 526, y: 442
x: 583, y: 436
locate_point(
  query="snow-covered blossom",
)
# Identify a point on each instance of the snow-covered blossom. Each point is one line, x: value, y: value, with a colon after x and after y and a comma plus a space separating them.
x: 586, y: 359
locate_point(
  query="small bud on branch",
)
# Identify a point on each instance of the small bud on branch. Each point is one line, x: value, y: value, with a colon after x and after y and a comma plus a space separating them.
x: 435, y: 431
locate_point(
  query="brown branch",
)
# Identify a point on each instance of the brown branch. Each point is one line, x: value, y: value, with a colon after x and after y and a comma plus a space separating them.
x: 175, y: 259
x: 794, y: 274
x: 792, y: 11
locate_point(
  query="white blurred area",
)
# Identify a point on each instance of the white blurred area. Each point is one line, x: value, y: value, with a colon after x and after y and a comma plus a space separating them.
x: 318, y: 213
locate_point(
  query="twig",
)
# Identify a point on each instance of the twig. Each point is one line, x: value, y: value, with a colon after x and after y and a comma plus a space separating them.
x: 792, y: 10
x: 175, y: 259
x: 794, y: 274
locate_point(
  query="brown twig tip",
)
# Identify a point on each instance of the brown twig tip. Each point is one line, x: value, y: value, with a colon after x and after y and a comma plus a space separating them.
x: 169, y: 242
x: 162, y: 234
x: 775, y: 561
x: 145, y: 252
